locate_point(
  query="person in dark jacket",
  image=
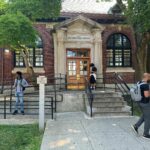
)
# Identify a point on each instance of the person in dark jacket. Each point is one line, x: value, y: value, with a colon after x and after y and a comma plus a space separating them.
x: 144, y: 105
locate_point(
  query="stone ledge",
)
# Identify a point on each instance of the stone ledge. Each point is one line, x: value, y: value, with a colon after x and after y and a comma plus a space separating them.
x: 23, y: 70
x: 120, y: 69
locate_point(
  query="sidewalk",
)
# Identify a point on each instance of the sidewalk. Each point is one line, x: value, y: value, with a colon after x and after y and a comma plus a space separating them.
x: 74, y: 131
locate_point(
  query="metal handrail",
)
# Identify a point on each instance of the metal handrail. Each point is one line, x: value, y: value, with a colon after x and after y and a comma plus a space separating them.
x: 35, y: 106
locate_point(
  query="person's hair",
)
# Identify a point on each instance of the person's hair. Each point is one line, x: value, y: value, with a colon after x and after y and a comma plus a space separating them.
x: 19, y: 73
x: 92, y: 65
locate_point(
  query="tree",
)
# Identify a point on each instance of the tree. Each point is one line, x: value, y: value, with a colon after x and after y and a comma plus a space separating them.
x: 3, y: 7
x: 17, y: 30
x: 36, y: 9
x: 137, y: 13
x: 138, y: 16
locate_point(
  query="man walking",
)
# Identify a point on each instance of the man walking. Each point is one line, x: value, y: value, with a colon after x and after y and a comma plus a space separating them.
x: 144, y: 104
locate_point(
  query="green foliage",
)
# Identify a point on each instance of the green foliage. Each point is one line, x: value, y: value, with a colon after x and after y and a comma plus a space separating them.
x: 138, y: 14
x: 3, y: 7
x: 20, y: 137
x: 16, y: 30
x: 36, y: 9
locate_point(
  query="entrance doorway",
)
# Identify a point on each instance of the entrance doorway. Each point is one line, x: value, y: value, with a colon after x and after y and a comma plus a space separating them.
x: 78, y: 67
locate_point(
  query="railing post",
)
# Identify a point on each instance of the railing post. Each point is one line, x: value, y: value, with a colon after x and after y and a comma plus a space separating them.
x: 66, y: 82
x: 55, y: 95
x: 91, y: 105
x: 10, y: 102
x: 52, y: 107
x: 132, y: 107
x: 41, y: 80
x: 4, y: 107
x: 60, y: 81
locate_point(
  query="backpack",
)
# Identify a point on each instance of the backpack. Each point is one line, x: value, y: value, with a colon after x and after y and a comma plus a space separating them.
x: 23, y: 88
x: 135, y: 92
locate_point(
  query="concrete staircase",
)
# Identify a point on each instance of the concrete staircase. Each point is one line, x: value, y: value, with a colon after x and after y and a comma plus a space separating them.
x: 107, y: 103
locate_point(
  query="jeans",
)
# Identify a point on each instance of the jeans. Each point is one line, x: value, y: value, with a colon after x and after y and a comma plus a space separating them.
x: 19, y: 97
x: 144, y: 118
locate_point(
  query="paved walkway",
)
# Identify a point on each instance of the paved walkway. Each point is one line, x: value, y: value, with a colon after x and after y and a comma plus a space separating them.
x: 74, y: 131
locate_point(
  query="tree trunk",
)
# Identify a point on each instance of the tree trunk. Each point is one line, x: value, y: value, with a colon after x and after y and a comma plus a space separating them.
x: 142, y: 55
x: 29, y: 67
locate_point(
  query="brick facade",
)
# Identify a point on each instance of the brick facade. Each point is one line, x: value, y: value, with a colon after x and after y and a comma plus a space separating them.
x: 46, y: 36
x: 8, y: 58
x: 129, y: 77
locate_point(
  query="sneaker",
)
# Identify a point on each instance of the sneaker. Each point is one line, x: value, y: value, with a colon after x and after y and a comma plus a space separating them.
x: 135, y: 129
x: 22, y: 112
x: 15, y: 112
x: 146, y: 136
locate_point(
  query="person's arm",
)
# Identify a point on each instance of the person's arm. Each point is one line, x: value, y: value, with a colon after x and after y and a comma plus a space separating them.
x: 146, y: 91
x: 147, y: 94
x: 15, y: 83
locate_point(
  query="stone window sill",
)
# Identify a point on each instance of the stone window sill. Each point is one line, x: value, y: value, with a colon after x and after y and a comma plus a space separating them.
x: 120, y: 69
x: 23, y: 70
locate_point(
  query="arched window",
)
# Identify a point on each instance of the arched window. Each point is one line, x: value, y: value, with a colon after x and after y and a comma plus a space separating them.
x: 35, y: 55
x: 118, y: 51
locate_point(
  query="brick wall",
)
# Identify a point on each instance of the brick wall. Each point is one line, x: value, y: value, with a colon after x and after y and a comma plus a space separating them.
x: 126, y: 30
x: 46, y: 37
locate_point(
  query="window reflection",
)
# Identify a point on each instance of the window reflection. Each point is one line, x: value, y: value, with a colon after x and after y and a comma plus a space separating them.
x: 118, y: 51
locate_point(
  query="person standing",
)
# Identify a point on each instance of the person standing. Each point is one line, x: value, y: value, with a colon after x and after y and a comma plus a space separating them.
x: 19, y: 85
x: 93, y: 80
x: 144, y: 105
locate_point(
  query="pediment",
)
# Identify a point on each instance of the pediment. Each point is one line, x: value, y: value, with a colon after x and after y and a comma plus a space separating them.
x: 79, y: 20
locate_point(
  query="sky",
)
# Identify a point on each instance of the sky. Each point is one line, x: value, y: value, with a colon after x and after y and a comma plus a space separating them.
x: 87, y: 6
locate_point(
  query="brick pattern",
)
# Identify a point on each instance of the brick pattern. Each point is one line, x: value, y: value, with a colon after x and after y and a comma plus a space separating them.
x: 46, y: 36
x: 126, y: 30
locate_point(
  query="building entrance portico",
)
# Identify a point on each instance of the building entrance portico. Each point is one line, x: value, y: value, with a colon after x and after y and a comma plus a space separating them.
x: 77, y: 43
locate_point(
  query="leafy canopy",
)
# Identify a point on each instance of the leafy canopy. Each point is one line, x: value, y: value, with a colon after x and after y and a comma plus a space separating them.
x: 16, y: 30
x: 138, y: 14
x: 3, y: 7
x: 36, y: 9
x: 16, y: 18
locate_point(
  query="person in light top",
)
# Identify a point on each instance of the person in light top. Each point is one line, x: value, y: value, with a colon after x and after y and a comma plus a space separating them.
x: 19, y: 85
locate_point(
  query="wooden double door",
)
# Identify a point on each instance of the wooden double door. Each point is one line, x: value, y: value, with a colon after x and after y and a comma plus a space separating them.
x: 78, y: 67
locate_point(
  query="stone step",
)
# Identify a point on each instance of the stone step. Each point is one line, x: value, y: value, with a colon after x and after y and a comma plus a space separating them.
x: 106, y: 94
x: 108, y: 99
x: 112, y: 114
x: 108, y: 104
x: 107, y: 109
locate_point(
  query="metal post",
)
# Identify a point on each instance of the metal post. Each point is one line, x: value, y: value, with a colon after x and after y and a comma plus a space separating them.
x: 55, y: 96
x: 4, y: 107
x: 41, y: 80
x: 52, y: 107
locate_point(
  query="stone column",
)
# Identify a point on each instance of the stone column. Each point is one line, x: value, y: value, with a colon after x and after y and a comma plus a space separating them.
x: 41, y: 80
x: 61, y: 52
x: 98, y: 55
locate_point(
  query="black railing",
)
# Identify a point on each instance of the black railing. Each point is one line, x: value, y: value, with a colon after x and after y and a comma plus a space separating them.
x: 59, y: 83
x: 90, y: 97
x: 119, y: 85
x: 34, y: 105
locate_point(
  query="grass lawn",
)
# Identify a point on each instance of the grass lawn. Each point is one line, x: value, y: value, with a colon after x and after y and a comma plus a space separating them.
x: 20, y: 137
